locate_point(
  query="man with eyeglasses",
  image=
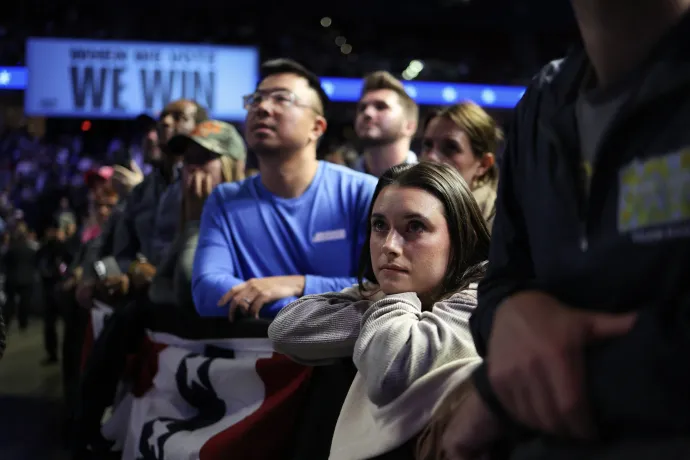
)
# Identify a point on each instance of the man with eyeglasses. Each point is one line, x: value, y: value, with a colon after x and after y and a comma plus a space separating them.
x: 294, y: 229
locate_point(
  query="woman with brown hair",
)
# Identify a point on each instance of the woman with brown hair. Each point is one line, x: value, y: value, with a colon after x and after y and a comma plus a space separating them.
x: 406, y: 324
x: 467, y: 138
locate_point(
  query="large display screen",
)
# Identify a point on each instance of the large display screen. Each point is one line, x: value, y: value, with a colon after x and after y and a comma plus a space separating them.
x: 113, y: 79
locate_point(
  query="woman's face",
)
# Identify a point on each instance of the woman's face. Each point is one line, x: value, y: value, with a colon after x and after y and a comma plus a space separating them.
x: 444, y: 142
x: 410, y: 245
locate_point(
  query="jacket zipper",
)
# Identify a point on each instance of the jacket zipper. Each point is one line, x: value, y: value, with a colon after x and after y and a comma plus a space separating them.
x: 581, y: 194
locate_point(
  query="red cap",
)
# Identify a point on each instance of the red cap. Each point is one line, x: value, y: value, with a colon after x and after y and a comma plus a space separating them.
x: 104, y: 173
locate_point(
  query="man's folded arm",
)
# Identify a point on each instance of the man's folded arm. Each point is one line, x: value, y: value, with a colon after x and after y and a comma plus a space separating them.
x: 640, y: 382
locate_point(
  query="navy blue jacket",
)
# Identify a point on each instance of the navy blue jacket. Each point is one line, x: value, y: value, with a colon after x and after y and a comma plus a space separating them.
x: 622, y: 244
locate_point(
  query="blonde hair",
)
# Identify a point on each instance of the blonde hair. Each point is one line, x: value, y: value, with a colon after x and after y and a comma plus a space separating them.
x: 481, y: 129
x: 385, y: 80
x: 232, y: 170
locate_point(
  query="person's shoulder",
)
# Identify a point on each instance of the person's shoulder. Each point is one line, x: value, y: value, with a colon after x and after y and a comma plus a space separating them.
x: 467, y: 297
x: 349, y: 177
x: 141, y: 186
x: 548, y: 73
x: 348, y: 173
x: 235, y: 190
x: 140, y: 189
x: 557, y: 79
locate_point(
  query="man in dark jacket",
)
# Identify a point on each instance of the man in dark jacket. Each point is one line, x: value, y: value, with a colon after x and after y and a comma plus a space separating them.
x: 20, y: 282
x: 584, y: 315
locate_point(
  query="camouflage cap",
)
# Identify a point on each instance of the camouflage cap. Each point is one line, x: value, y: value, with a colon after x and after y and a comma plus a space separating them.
x: 215, y: 136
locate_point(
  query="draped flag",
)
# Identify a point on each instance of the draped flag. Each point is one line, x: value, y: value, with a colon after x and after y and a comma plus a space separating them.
x: 205, y: 399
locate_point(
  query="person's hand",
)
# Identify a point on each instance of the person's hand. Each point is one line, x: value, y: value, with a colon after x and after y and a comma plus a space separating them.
x: 536, y: 360
x: 471, y: 431
x: 142, y: 274
x: 84, y: 294
x: 127, y: 178
x: 115, y: 285
x: 252, y: 295
x: 199, y: 188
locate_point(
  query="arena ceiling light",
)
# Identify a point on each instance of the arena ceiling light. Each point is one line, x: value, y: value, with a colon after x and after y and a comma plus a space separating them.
x: 326, y: 21
x: 413, y: 69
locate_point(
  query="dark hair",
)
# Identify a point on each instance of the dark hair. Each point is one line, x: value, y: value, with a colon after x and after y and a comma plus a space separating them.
x: 385, y: 80
x: 483, y: 132
x: 283, y: 65
x: 200, y: 114
x: 469, y: 235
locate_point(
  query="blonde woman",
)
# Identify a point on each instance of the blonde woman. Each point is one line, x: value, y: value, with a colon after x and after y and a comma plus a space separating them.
x: 467, y: 138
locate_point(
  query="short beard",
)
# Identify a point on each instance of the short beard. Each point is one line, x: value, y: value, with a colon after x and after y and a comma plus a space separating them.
x: 386, y: 138
x: 368, y: 142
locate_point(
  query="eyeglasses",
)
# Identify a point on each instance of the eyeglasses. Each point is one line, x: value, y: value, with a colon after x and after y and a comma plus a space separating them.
x: 281, y: 98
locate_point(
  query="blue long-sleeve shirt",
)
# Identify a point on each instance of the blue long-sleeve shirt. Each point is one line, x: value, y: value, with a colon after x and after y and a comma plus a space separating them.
x: 247, y: 232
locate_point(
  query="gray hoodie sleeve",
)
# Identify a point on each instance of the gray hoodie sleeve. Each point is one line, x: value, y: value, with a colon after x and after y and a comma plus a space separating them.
x: 392, y: 341
x: 319, y: 329
x: 399, y: 343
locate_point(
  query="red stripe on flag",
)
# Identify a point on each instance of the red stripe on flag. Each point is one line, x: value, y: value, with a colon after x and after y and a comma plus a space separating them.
x: 142, y: 366
x: 268, y: 432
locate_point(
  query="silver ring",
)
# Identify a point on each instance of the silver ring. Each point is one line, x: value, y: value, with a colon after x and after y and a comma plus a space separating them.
x: 247, y: 301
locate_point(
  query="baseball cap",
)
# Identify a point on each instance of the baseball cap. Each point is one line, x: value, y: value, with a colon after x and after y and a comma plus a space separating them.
x: 103, y: 173
x: 215, y: 136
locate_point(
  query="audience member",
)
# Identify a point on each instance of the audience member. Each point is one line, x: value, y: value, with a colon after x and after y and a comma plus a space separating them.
x: 51, y: 262
x: 407, y: 319
x: 20, y: 280
x: 213, y: 153
x: 467, y: 138
x: 97, y: 180
x: 583, y: 314
x: 151, y: 215
x: 296, y: 228
x: 385, y: 124
x: 65, y: 215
